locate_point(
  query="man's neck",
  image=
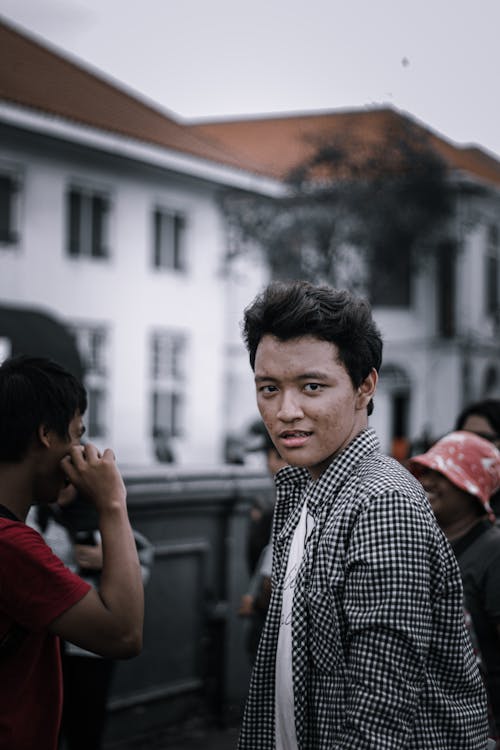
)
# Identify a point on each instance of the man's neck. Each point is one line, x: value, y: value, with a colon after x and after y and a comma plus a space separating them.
x: 16, y: 489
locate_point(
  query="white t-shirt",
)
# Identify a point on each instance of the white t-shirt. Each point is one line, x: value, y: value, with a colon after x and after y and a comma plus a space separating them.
x: 286, y: 738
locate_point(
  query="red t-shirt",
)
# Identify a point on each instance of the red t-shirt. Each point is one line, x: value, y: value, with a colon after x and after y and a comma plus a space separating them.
x: 35, y: 588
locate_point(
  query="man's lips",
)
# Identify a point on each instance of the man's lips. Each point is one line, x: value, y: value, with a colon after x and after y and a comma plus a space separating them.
x: 294, y: 438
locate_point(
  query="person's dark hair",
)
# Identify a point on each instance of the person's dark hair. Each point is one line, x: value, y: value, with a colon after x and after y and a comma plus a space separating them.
x: 488, y: 408
x: 289, y: 310
x: 35, y: 391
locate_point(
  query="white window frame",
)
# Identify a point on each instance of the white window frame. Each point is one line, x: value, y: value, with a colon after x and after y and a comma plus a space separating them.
x: 95, y: 360
x: 169, y: 253
x: 168, y: 352
x: 80, y: 244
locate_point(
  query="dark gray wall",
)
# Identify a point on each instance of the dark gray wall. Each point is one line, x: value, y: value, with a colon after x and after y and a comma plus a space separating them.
x: 194, y: 658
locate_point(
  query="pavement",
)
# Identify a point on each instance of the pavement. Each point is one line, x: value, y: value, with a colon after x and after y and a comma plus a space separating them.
x: 192, y: 735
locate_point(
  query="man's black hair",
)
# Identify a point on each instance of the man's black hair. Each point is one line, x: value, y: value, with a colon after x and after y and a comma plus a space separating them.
x: 35, y: 391
x: 289, y: 310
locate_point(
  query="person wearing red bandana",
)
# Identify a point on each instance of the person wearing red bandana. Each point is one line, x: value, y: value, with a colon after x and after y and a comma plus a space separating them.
x: 460, y: 473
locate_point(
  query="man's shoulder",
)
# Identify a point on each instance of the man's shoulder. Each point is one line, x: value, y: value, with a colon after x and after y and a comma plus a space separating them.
x: 18, y: 530
x: 382, y: 485
x: 20, y: 541
x: 381, y: 473
x: 363, y: 460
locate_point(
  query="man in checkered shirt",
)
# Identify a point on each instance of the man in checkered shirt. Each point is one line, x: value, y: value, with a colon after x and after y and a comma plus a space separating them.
x: 365, y: 644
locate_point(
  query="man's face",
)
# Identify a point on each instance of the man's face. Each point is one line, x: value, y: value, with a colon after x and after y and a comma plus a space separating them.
x: 307, y: 400
x: 51, y: 479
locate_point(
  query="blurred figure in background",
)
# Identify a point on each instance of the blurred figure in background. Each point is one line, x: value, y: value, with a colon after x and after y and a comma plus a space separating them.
x: 163, y: 446
x: 254, y: 604
x: 483, y: 418
x: 259, y: 444
x: 70, y: 528
x: 459, y: 474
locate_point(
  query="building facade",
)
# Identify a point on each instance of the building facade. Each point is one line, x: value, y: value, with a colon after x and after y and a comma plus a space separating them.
x: 110, y: 221
x: 440, y: 318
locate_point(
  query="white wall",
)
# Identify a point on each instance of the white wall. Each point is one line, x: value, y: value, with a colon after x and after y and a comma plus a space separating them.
x: 124, y: 292
x: 131, y: 299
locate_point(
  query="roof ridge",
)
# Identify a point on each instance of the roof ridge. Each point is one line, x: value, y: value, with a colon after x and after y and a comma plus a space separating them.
x: 291, y: 115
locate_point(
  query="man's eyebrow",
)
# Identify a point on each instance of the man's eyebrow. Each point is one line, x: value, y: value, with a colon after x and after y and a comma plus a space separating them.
x: 313, y: 376
x: 303, y: 376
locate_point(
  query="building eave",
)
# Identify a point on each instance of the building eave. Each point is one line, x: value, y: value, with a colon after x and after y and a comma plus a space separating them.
x: 129, y: 148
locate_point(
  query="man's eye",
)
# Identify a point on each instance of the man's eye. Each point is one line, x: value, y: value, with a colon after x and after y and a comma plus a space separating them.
x: 267, y: 389
x: 312, y: 387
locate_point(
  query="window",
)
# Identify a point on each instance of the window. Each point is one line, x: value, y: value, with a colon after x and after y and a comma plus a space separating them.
x: 390, y: 283
x: 446, y: 290
x: 92, y: 343
x: 169, y: 240
x: 491, y: 382
x: 492, y: 272
x: 87, y: 214
x: 168, y: 350
x: 9, y: 208
x: 396, y: 382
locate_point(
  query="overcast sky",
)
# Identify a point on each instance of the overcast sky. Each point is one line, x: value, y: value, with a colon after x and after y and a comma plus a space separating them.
x: 439, y: 61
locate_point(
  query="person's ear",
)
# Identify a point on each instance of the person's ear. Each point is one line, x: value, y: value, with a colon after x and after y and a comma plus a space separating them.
x: 367, y: 389
x: 45, y: 435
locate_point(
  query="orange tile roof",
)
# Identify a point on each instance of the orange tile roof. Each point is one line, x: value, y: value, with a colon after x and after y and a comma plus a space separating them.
x: 34, y: 76
x: 280, y: 143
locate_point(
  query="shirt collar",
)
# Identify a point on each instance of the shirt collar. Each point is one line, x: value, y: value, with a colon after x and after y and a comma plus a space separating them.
x: 340, y: 468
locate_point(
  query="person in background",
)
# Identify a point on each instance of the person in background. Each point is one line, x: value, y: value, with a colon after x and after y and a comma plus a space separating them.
x: 483, y: 418
x: 163, y: 446
x: 255, y: 602
x: 365, y: 644
x: 71, y: 529
x: 41, y: 600
x: 459, y: 474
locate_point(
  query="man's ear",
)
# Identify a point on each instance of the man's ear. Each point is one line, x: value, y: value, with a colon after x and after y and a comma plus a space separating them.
x: 45, y: 435
x: 367, y: 389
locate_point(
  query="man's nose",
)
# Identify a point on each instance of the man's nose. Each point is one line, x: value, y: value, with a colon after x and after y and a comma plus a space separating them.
x: 290, y: 407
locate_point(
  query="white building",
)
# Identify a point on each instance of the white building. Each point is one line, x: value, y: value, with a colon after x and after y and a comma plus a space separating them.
x: 120, y: 238
x: 441, y: 324
x: 110, y: 222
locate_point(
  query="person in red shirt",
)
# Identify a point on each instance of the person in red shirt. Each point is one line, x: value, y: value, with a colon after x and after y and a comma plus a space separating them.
x: 41, y: 426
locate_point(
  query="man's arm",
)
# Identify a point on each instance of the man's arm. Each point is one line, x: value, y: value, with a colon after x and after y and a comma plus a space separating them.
x: 391, y: 582
x: 109, y: 621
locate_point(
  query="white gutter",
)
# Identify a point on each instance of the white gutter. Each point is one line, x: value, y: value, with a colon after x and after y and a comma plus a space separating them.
x: 158, y: 156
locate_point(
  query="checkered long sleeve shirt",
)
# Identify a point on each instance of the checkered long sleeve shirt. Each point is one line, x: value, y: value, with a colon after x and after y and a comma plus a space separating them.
x: 381, y: 657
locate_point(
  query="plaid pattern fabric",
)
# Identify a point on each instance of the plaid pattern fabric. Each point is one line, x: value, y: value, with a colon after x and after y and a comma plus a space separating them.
x: 381, y: 655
